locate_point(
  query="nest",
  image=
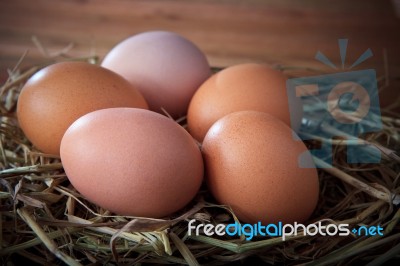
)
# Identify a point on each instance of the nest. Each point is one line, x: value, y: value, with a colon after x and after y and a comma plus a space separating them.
x: 44, y: 220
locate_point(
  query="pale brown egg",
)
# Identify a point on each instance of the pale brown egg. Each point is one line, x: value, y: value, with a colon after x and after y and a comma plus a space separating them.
x: 238, y: 88
x: 132, y: 161
x: 166, y: 68
x: 57, y: 95
x: 254, y: 165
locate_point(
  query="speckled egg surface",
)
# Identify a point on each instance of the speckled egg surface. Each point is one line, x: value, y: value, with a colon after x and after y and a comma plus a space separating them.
x: 238, y: 88
x: 252, y: 165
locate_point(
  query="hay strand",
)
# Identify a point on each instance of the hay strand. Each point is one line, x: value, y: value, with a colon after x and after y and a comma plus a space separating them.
x: 47, y: 241
x: 353, y: 181
x: 45, y: 220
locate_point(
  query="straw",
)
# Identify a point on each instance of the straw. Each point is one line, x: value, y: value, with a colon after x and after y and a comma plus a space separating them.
x: 45, y: 220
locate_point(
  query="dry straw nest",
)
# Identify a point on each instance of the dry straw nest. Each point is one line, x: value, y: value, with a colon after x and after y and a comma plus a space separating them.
x: 44, y: 220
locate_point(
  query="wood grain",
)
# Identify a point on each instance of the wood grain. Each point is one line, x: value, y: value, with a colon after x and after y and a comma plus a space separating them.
x: 286, y: 32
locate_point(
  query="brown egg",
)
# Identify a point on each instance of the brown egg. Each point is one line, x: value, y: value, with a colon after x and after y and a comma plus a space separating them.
x: 59, y: 94
x: 132, y: 161
x: 252, y: 164
x: 238, y: 88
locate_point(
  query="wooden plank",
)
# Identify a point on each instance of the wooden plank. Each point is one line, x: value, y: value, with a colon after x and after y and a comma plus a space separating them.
x: 229, y: 32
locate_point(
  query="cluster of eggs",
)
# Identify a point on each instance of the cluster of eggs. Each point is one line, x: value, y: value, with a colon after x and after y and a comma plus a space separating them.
x: 121, y: 152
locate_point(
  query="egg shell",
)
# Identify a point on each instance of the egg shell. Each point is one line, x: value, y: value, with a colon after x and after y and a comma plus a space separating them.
x: 238, y: 88
x: 132, y: 161
x: 164, y: 66
x: 57, y: 95
x: 252, y: 165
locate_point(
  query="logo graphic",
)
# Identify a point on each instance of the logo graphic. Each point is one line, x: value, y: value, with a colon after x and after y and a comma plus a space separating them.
x: 249, y: 231
x: 344, y: 104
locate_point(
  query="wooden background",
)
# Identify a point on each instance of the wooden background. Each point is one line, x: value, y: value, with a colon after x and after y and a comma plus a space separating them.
x: 284, y: 32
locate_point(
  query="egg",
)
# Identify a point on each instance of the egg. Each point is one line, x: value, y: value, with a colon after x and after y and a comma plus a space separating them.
x: 238, y: 88
x: 254, y: 165
x: 132, y: 161
x: 164, y: 66
x: 57, y: 95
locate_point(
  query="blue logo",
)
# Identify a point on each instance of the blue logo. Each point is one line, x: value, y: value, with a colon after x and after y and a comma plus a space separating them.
x: 285, y: 231
x: 368, y: 231
x: 344, y: 104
